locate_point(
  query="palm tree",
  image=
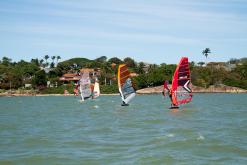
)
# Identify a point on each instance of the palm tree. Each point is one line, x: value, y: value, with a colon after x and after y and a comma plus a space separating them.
x: 140, y: 68
x: 58, y: 58
x: 205, y: 52
x: 152, y: 67
x: 52, y: 64
x: 53, y: 58
x: 41, y: 62
x: 46, y: 64
x: 46, y: 58
x: 106, y: 71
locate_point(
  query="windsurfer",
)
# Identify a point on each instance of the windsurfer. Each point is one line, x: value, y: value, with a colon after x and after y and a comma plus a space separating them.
x: 166, y: 82
x: 66, y: 92
x: 76, y: 90
x: 169, y: 91
x: 92, y: 93
x: 170, y: 96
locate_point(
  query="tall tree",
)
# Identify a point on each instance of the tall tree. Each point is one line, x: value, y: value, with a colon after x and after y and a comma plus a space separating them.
x: 152, y: 67
x: 35, y: 61
x: 205, y: 52
x: 107, y: 72
x: 130, y: 62
x: 53, y: 58
x: 6, y: 61
x: 115, y: 60
x: 52, y: 65
x: 58, y: 58
x: 41, y: 62
x: 46, y: 58
x: 233, y: 61
x: 39, y: 78
x: 101, y: 59
x: 46, y: 64
x: 201, y: 63
x: 140, y: 68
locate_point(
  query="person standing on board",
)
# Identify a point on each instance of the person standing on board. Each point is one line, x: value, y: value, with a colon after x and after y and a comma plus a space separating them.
x: 66, y: 92
x: 165, y: 87
x: 76, y: 90
x: 92, y: 90
x: 169, y: 92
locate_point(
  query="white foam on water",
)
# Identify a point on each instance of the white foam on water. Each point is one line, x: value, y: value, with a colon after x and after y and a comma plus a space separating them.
x: 170, y: 135
x: 80, y: 101
x: 96, y: 106
x: 162, y: 137
x: 200, y: 137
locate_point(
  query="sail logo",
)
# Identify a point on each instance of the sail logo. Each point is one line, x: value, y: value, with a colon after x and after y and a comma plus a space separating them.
x: 186, y: 86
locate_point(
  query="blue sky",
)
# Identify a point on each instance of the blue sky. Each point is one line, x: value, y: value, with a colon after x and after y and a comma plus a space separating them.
x: 154, y: 31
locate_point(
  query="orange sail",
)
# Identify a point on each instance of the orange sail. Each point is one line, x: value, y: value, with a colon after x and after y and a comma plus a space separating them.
x: 125, y: 86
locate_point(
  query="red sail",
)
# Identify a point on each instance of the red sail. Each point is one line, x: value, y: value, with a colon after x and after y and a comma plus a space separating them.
x: 181, y: 91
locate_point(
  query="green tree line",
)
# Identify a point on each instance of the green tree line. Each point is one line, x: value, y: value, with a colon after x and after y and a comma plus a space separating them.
x: 38, y: 71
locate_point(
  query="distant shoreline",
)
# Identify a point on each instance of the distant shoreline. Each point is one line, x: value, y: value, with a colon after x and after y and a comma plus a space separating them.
x: 113, y: 94
x: 145, y: 91
x: 211, y: 89
x: 16, y: 94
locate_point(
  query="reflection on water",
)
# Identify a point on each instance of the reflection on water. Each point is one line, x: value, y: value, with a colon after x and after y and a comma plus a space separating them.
x: 61, y: 130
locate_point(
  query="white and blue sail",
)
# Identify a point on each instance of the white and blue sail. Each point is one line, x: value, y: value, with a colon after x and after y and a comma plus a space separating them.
x: 85, y: 90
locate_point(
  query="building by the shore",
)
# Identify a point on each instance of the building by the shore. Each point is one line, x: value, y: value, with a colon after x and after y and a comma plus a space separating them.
x: 73, y: 78
x: 70, y: 77
x: 225, y: 65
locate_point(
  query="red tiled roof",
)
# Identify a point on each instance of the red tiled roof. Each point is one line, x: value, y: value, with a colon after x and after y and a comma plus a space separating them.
x: 133, y: 74
x: 86, y: 70
x: 69, y: 79
x: 69, y: 75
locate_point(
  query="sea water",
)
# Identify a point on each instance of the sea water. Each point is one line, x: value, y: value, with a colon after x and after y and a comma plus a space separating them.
x: 212, y: 129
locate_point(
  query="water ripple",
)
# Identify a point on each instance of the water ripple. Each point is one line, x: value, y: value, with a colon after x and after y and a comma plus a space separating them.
x: 61, y: 130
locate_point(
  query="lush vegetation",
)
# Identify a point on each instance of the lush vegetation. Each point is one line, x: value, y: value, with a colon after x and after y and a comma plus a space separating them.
x: 57, y: 90
x: 108, y: 89
x: 38, y: 72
